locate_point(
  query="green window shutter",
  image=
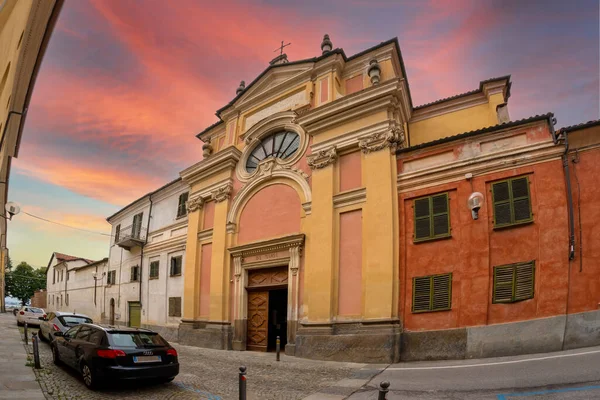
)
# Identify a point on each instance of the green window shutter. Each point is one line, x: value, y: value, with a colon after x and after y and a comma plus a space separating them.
x: 503, y: 284
x: 432, y: 293
x: 421, y: 294
x: 514, y: 282
x: 524, y: 281
x: 512, y: 202
x: 181, y: 210
x: 177, y: 308
x: 154, y: 267
x: 422, y: 219
x: 171, y: 306
x: 432, y: 217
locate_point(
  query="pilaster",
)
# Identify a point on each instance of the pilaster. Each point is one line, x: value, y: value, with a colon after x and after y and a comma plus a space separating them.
x: 191, y: 284
x: 220, y: 260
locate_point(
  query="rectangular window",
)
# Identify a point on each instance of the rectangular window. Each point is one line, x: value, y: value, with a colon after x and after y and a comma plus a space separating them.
x: 67, y: 299
x: 154, y: 267
x: 111, y: 277
x: 53, y: 276
x: 181, y: 210
x: 175, y: 266
x: 135, y: 274
x: 514, y: 282
x: 68, y: 274
x: 512, y: 202
x: 432, y: 293
x: 174, y: 306
x: 432, y: 217
x: 117, y: 233
x: 136, y: 228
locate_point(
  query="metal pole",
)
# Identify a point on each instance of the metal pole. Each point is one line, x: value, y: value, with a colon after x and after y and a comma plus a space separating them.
x: 277, y: 347
x: 36, y: 351
x: 383, y: 390
x: 25, y: 332
x: 242, y: 383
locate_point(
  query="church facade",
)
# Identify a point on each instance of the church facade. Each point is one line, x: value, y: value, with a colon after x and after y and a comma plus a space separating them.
x: 330, y: 211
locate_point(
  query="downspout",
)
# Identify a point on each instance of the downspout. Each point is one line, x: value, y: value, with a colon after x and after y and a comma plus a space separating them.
x: 142, y: 252
x: 565, y: 160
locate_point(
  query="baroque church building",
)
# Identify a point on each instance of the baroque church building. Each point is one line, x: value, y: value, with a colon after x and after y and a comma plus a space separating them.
x: 330, y: 211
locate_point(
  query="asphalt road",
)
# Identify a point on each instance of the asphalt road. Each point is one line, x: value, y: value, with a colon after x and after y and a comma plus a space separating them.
x: 569, y: 375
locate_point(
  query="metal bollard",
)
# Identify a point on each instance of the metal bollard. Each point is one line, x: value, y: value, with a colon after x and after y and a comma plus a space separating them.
x: 25, y: 333
x: 278, y: 347
x: 36, y: 351
x: 242, y: 383
x: 383, y: 390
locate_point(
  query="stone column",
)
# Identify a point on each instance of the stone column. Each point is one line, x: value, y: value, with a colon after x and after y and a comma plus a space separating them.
x: 293, y: 293
x: 240, y: 306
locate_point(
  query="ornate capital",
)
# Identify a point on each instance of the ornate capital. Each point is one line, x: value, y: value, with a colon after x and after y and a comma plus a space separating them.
x: 322, y: 158
x: 295, y: 253
x: 381, y: 140
x: 222, y: 193
x: 194, y: 204
x: 237, y: 267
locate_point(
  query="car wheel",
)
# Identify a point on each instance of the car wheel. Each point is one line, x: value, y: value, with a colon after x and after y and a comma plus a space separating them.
x: 41, y: 335
x: 89, y: 377
x: 19, y: 323
x: 55, y: 355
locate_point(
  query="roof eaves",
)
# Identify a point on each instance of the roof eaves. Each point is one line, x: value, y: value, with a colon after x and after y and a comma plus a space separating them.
x: 470, y: 92
x: 580, y: 126
x: 147, y: 195
x: 488, y: 129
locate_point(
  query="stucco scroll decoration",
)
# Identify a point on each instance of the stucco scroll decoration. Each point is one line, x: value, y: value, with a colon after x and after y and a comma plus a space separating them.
x: 322, y: 158
x: 222, y: 193
x: 194, y: 204
x: 381, y: 140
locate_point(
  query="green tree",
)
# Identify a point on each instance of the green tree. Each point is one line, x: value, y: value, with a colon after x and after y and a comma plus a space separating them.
x: 24, y: 280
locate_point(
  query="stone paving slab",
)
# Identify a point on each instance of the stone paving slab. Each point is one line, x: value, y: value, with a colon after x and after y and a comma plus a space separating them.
x: 17, y: 380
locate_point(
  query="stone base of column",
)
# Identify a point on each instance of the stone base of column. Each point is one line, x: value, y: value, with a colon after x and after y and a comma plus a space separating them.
x: 211, y: 335
x: 350, y: 342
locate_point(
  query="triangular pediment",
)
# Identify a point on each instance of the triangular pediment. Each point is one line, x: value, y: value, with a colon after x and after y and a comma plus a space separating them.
x: 276, y: 79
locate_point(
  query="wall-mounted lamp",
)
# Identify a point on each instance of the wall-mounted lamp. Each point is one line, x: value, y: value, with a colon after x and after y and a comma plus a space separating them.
x: 474, y: 203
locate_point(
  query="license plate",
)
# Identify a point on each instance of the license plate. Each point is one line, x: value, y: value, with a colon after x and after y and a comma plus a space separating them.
x: 146, y: 359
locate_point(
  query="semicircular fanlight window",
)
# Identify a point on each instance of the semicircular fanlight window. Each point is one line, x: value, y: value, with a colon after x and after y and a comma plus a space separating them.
x: 279, y: 145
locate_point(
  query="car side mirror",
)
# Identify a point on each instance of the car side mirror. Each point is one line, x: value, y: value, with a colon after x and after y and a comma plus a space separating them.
x: 58, y: 334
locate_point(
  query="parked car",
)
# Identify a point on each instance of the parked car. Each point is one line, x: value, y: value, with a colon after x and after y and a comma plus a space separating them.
x: 30, y: 315
x: 103, y: 353
x: 58, y: 321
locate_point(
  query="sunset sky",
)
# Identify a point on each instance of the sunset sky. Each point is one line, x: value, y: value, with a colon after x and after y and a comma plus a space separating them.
x: 125, y: 86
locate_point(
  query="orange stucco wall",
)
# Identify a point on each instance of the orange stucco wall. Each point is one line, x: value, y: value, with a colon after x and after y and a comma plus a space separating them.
x: 350, y: 258
x: 273, y: 211
x: 354, y: 84
x: 475, y: 248
x: 585, y: 267
x: 205, y: 280
x: 350, y: 171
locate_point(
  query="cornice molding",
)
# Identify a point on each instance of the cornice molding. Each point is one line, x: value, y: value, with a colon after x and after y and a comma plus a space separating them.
x: 205, y: 234
x: 351, y: 107
x: 225, y: 159
x: 479, y: 165
x: 322, y: 158
x: 171, y: 244
x: 266, y: 246
x: 350, y: 197
x: 177, y: 225
x: 451, y: 106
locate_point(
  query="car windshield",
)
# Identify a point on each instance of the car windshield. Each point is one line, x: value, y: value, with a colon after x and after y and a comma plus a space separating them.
x: 72, y: 320
x: 36, y: 310
x: 136, y: 339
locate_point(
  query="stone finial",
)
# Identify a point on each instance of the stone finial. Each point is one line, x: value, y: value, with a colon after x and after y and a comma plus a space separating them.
x: 207, y: 149
x: 240, y: 88
x: 326, y: 44
x: 280, y: 59
x: 374, y: 71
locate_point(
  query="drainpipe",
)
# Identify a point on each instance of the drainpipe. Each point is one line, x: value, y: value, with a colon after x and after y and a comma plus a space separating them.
x: 565, y: 160
x: 142, y: 252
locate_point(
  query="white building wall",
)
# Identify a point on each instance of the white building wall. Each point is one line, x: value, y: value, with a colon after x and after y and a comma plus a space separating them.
x: 57, y: 283
x: 166, y: 238
x: 84, y: 297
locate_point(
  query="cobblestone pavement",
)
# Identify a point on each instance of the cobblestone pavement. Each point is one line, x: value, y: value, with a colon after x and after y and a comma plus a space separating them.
x: 207, y: 374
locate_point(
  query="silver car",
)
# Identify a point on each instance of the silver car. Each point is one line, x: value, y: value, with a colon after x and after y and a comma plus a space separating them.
x: 30, y: 315
x: 58, y: 321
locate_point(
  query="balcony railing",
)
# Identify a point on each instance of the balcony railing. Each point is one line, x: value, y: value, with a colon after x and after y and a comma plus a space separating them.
x: 131, y: 236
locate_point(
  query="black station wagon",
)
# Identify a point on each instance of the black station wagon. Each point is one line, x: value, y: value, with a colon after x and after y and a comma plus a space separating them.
x: 105, y: 353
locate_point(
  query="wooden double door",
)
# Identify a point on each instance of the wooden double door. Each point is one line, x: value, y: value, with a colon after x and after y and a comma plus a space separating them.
x: 267, y: 308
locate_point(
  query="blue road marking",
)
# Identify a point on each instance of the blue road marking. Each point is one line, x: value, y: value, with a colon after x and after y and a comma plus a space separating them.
x: 525, y: 394
x: 202, y: 393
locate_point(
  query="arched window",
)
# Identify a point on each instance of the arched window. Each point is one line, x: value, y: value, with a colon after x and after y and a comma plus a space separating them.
x: 279, y: 145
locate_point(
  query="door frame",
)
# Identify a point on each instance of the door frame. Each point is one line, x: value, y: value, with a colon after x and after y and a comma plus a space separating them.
x: 280, y: 252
